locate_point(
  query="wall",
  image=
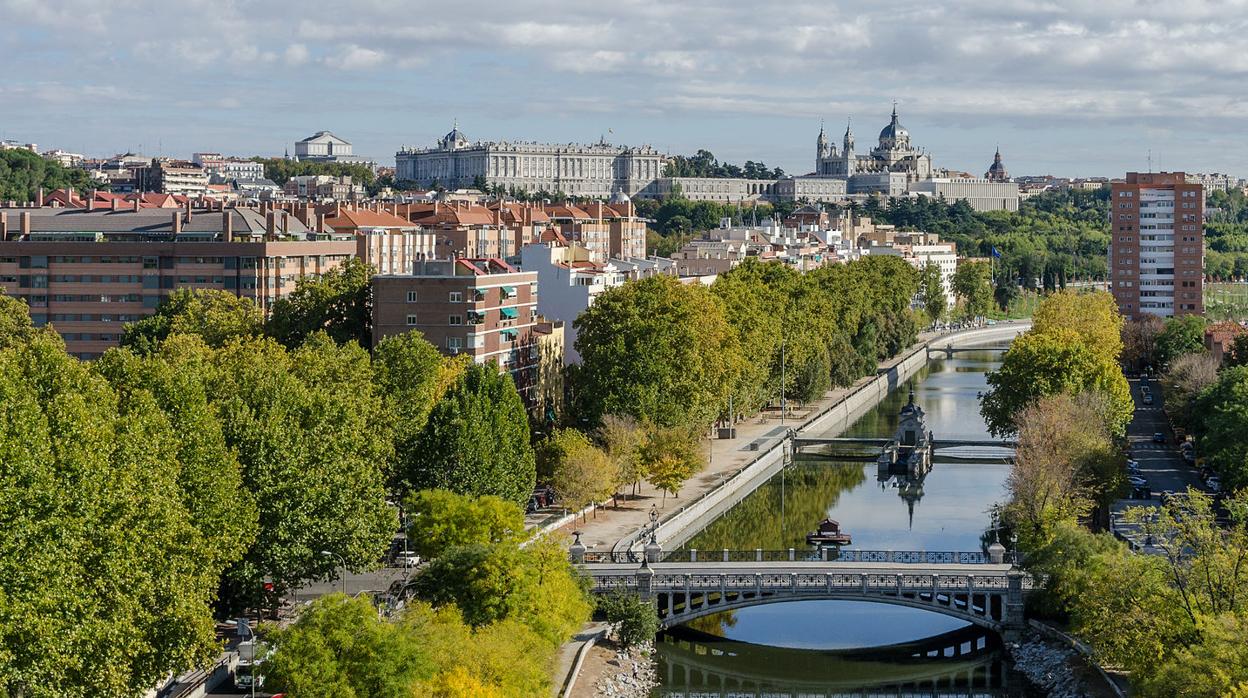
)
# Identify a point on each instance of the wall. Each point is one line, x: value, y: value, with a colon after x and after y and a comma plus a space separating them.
x: 832, y: 420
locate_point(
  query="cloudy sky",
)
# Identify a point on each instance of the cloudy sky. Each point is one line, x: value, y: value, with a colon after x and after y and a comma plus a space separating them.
x: 1072, y: 88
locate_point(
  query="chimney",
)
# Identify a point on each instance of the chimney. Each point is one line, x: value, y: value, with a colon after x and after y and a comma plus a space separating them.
x: 25, y: 227
x: 138, y: 200
x: 270, y: 225
x: 528, y: 214
x: 188, y: 210
x: 4, y: 226
x: 39, y: 198
x: 91, y: 204
x: 113, y: 203
x: 320, y: 222
x: 285, y: 223
x: 227, y: 225
x: 177, y: 222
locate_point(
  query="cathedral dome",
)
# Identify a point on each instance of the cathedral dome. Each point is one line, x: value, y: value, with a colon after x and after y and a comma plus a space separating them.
x: 996, y: 172
x: 894, y: 131
x: 454, y: 138
x: 619, y: 197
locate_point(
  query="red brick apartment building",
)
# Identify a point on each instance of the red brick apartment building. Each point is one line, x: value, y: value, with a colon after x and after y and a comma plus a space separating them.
x: 1156, y: 249
x: 89, y: 271
x: 482, y: 307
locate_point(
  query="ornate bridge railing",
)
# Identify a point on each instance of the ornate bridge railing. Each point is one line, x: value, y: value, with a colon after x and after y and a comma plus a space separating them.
x: 915, y: 557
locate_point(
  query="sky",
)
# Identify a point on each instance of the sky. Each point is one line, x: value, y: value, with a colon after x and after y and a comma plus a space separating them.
x: 1067, y: 88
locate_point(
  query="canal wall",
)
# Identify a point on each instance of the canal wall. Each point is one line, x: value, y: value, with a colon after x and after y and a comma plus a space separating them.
x: 677, y: 529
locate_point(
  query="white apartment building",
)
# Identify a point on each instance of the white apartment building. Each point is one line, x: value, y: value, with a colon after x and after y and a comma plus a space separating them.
x: 569, y: 281
x: 981, y: 194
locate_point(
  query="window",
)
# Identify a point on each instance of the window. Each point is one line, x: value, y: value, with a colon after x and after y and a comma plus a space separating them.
x: 454, y: 344
x: 411, y: 297
x: 457, y: 320
x: 411, y: 320
x: 456, y: 297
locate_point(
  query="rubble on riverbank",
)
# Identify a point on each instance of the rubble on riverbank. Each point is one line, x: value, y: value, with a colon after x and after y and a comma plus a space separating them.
x: 1059, y: 670
x: 632, y: 675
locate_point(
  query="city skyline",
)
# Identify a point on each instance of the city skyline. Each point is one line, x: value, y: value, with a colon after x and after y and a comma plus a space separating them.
x: 744, y: 84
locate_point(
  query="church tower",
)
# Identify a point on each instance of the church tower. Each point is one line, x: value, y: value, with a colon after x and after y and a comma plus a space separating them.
x: 996, y: 172
x: 849, y: 149
x: 823, y: 151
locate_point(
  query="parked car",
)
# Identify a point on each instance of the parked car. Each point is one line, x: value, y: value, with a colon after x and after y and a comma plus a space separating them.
x: 1137, y: 481
x: 1133, y: 470
x: 1214, y: 484
x: 406, y: 560
x: 1159, y: 438
x: 1148, y: 398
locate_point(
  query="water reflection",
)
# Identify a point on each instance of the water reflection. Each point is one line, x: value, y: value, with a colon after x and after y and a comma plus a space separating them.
x: 803, y: 647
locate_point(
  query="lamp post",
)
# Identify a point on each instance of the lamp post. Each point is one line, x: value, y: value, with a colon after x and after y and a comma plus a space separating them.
x: 343, y: 560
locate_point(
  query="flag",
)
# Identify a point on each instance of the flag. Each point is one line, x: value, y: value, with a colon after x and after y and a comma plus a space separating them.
x: 995, y: 252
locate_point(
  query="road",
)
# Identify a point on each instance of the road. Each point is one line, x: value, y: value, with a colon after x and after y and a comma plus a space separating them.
x: 1161, y: 464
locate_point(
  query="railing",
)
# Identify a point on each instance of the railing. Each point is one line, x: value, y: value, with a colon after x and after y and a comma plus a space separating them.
x: 909, y: 557
x: 817, y: 582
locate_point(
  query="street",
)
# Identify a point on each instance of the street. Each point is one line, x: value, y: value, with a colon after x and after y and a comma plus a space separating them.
x: 1160, y: 464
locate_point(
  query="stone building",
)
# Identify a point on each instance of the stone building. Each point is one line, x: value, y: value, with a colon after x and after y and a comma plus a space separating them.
x: 597, y: 170
x: 893, y: 153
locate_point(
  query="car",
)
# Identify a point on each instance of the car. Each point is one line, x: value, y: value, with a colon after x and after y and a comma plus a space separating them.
x: 1145, y: 388
x: 406, y: 560
x: 1159, y: 438
x: 1133, y: 463
x: 1148, y: 398
x: 1214, y: 484
x: 1137, y: 481
x: 1133, y: 471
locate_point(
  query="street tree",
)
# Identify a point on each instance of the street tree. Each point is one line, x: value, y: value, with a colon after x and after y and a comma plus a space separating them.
x: 972, y: 284
x: 1222, y: 411
x: 1183, y: 382
x: 1181, y: 335
x: 16, y: 327
x: 438, y: 520
x: 932, y: 291
x: 669, y: 457
x: 633, y: 620
x: 1093, y: 317
x: 214, y: 315
x: 476, y: 440
x: 657, y: 350
x: 105, y: 580
x: 622, y: 437
x: 1139, y: 341
x: 339, y: 302
x: 582, y: 472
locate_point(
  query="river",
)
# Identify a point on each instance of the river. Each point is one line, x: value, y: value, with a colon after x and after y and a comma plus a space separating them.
x: 847, y: 648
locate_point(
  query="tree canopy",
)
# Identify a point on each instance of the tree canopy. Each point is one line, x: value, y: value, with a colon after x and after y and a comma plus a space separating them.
x: 339, y: 302
x: 214, y: 315
x: 23, y: 173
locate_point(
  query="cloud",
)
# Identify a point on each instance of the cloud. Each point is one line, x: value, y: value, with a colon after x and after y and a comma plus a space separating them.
x: 353, y: 57
x: 296, y: 54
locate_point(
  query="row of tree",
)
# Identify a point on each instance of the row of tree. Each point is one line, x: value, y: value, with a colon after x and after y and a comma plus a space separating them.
x: 159, y: 485
x: 679, y: 355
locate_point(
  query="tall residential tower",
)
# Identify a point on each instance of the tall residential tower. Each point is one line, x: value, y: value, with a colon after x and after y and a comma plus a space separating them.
x: 1156, y: 251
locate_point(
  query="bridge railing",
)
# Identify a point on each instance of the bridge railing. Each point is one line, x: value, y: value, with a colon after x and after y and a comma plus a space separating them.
x: 914, y: 557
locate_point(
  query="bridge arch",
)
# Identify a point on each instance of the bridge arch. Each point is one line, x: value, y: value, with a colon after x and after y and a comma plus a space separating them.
x: 984, y: 609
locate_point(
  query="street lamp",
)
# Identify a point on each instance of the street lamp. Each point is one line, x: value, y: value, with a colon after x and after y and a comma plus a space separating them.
x: 343, y: 560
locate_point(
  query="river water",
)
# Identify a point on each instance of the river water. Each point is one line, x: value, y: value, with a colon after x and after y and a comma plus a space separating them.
x: 845, y: 648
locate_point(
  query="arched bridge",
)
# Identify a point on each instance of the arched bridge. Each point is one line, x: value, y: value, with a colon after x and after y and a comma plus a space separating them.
x: 986, y: 594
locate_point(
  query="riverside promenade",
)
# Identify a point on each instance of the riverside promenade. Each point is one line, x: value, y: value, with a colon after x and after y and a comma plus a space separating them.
x: 602, y: 530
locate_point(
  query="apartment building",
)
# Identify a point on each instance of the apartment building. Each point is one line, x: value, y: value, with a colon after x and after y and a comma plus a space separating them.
x: 466, y: 230
x: 482, y: 307
x: 228, y: 168
x: 172, y: 177
x: 1156, y: 249
x: 570, y: 280
x: 390, y: 243
x: 88, y: 272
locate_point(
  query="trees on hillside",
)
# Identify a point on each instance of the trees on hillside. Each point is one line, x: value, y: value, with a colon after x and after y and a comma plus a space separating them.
x: 23, y: 174
x: 339, y: 302
x: 476, y: 440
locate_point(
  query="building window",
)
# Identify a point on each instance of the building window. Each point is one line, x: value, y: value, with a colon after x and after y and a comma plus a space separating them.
x: 411, y: 298
x: 411, y: 320
x: 454, y: 344
x: 457, y: 320
x: 456, y: 297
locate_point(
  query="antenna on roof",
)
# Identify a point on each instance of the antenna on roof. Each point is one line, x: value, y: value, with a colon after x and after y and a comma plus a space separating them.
x: 1150, y: 160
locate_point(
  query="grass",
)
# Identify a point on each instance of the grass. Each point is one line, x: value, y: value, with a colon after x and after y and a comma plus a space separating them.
x: 1226, y: 301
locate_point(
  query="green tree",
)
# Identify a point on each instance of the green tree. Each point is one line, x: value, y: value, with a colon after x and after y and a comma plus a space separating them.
x: 622, y: 438
x: 16, y: 326
x: 658, y: 350
x: 340, y: 302
x: 1181, y: 335
x: 309, y: 430
x: 1093, y: 317
x: 23, y: 174
x: 582, y: 473
x: 633, y: 619
x: 932, y: 291
x: 1049, y: 363
x: 280, y: 170
x: 1223, y: 421
x: 972, y: 283
x: 341, y: 647
x: 1214, y: 667
x: 476, y: 440
x: 439, y: 520
x: 105, y: 586
x: 412, y: 376
x: 670, y: 456
x: 1183, y: 382
x: 216, y: 316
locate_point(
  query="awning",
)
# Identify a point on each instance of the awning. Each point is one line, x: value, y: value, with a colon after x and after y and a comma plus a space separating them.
x: 509, y: 334
x: 509, y: 313
x: 509, y: 290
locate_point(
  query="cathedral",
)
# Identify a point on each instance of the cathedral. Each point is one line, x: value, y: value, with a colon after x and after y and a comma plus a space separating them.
x: 893, y: 154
